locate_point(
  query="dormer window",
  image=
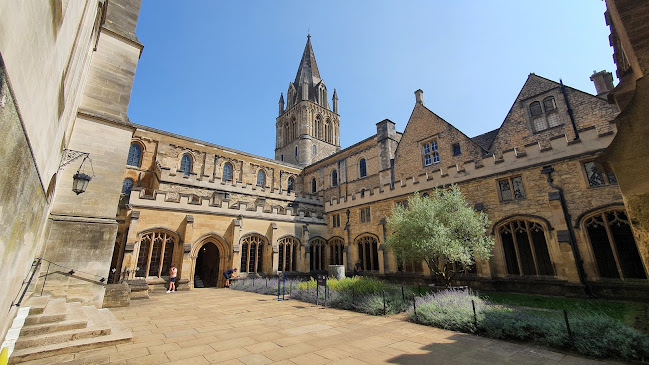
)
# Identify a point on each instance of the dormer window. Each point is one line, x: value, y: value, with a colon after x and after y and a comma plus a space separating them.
x: 546, y: 116
x: 429, y: 153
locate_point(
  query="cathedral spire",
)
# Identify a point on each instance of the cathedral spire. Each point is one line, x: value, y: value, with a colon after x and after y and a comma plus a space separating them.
x: 307, y: 73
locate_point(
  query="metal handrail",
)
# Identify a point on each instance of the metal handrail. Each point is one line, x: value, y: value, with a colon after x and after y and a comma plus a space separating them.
x: 71, y: 272
x: 26, y: 282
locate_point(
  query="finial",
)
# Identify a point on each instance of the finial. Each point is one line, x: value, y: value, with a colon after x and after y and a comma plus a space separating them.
x: 308, y: 34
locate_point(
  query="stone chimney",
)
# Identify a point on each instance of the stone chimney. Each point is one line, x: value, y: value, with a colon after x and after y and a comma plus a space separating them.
x: 419, y: 97
x: 603, y: 82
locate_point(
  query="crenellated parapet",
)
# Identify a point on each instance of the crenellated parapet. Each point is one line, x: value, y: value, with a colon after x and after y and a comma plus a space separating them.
x: 166, y: 175
x: 208, y: 205
x: 531, y: 155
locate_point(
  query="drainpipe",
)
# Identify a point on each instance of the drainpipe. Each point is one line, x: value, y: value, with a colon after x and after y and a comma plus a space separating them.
x: 572, y: 117
x: 548, y: 170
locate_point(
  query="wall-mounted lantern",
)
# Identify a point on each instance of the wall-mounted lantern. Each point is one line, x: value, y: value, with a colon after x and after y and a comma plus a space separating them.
x: 80, y: 179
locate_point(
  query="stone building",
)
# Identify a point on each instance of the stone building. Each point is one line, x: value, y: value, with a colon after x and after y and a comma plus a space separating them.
x: 67, y: 69
x: 558, y: 219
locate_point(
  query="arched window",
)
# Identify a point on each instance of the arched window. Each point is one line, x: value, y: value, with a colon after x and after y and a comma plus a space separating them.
x: 288, y: 248
x: 127, y: 185
x: 227, y: 172
x: 251, y: 253
x: 525, y: 248
x: 535, y: 109
x: 156, y: 253
x: 318, y: 251
x: 295, y: 151
x: 368, y: 252
x: 261, y: 178
x: 614, y: 246
x: 336, y: 250
x: 290, y: 184
x: 314, y: 149
x: 362, y: 168
x: 134, y: 155
x: 334, y: 178
x: 314, y: 186
x: 186, y: 165
x: 549, y: 104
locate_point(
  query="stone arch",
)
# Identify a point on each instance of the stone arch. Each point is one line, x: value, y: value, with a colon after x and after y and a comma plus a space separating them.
x: 288, y: 251
x: 522, y: 242
x: 601, y: 208
x: 253, y: 248
x: 612, y: 243
x: 530, y: 216
x: 225, y: 255
x: 317, y: 248
x: 367, y: 245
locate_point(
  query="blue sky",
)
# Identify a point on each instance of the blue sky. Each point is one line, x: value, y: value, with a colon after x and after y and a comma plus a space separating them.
x: 214, y: 70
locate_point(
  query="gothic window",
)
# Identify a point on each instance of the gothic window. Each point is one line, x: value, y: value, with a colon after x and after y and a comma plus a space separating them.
x: 403, y: 204
x: 525, y: 248
x: 289, y: 187
x: 546, y: 117
x: 314, y: 186
x: 457, y: 150
x: 295, y: 151
x: 318, y: 251
x: 134, y: 155
x: 252, y: 248
x: 365, y: 215
x: 614, y: 246
x: 314, y: 150
x: 227, y: 172
x: 294, y: 128
x: 336, y: 249
x: 127, y: 185
x: 413, y: 266
x: 362, y: 168
x: 261, y: 178
x: 288, y: 248
x: 511, y: 189
x: 186, y: 165
x: 368, y: 252
x: 156, y: 253
x: 334, y: 178
x: 335, y: 220
x: 596, y: 178
x: 430, y: 153
x: 318, y: 127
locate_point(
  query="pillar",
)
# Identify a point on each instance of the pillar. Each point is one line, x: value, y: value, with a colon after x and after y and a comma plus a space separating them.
x: 236, y: 245
x: 275, y: 248
x: 132, y: 248
x: 187, y: 268
x: 304, y: 260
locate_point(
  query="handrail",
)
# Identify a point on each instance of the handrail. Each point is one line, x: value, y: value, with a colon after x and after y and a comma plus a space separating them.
x: 71, y: 272
x: 25, y: 285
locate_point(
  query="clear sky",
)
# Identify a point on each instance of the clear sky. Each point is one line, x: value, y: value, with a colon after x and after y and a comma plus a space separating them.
x: 214, y: 70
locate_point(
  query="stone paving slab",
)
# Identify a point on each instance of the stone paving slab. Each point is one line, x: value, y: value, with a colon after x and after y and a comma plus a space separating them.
x: 222, y: 326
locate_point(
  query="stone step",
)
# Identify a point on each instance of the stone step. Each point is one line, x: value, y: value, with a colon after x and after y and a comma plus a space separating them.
x: 24, y: 342
x: 36, y: 304
x: 39, y: 329
x: 54, y: 311
x: 40, y: 352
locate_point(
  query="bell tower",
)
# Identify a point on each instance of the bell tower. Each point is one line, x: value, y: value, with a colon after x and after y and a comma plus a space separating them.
x: 307, y: 128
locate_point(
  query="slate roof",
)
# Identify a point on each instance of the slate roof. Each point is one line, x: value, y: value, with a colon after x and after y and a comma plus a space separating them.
x: 486, y: 139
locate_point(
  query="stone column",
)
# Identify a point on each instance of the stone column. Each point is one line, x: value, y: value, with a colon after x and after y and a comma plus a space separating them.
x: 304, y: 261
x: 132, y: 247
x: 187, y: 268
x: 381, y: 252
x: 275, y: 248
x: 236, y: 245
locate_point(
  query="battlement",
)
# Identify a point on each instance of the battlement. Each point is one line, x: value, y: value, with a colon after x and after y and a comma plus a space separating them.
x: 168, y: 176
x: 560, y: 148
x: 207, y: 205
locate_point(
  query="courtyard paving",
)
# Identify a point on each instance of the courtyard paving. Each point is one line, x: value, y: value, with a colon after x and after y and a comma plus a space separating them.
x: 208, y: 326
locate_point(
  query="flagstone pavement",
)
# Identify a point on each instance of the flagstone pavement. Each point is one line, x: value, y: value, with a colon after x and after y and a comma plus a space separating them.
x: 208, y: 326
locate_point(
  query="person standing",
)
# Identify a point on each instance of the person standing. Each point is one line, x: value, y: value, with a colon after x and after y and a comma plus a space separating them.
x: 231, y: 273
x: 172, y: 278
x: 358, y: 267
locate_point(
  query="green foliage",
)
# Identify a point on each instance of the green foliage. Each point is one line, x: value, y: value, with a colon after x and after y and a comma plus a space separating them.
x: 359, y: 284
x: 442, y: 230
x: 449, y: 309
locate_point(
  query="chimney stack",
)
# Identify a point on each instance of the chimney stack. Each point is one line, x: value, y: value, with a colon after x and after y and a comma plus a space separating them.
x: 419, y: 97
x: 603, y: 82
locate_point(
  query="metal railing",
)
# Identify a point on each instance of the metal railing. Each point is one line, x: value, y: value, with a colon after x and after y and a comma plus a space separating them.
x: 71, y: 272
x: 26, y: 282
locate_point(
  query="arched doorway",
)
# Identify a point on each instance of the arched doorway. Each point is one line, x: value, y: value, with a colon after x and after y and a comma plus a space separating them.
x: 207, y: 266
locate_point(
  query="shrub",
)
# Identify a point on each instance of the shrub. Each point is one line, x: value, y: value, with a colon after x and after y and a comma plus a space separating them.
x: 449, y: 309
x: 602, y: 336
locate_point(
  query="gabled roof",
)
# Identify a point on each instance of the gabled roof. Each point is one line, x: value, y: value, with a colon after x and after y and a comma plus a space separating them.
x: 485, y: 139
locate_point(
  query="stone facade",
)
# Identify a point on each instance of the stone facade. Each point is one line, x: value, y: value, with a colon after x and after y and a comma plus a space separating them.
x: 67, y: 72
x: 534, y: 177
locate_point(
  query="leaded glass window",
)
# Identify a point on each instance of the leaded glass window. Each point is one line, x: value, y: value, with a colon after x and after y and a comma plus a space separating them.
x: 127, y: 186
x: 549, y: 104
x: 511, y: 188
x: 368, y: 253
x: 288, y: 247
x: 289, y: 188
x: 252, y: 248
x: 134, y: 155
x: 430, y: 154
x: 535, y: 109
x: 362, y: 167
x: 596, y: 178
x: 186, y: 165
x: 334, y: 178
x: 525, y: 248
x: 227, y: 172
x: 261, y: 178
x: 156, y: 254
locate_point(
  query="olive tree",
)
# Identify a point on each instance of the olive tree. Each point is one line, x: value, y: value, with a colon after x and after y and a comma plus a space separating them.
x: 442, y: 230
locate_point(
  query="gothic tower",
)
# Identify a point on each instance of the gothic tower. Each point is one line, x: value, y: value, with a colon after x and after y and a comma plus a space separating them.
x: 307, y: 130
